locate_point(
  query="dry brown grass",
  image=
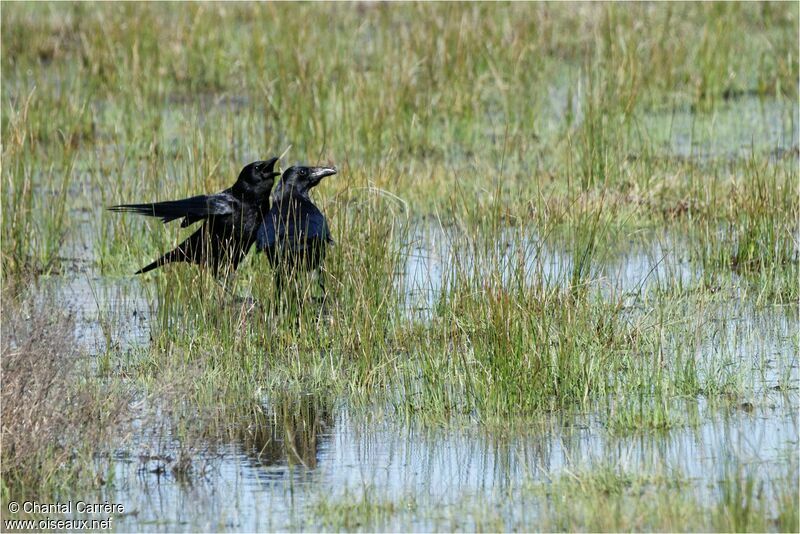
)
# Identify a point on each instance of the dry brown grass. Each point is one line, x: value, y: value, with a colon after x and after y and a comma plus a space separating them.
x: 56, y: 420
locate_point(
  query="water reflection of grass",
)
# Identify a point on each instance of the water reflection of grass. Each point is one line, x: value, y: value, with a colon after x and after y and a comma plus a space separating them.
x: 602, y: 498
x: 590, y: 127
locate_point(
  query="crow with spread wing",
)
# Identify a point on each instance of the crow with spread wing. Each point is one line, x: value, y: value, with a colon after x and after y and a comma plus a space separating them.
x: 230, y: 218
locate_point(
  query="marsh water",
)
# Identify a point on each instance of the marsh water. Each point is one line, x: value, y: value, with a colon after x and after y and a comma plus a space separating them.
x: 438, y: 472
x: 296, y: 454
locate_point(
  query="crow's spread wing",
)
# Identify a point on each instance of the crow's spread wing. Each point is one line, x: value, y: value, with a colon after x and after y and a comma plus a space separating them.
x: 193, y: 209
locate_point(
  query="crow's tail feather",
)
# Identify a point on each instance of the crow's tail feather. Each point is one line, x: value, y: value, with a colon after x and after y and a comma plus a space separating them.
x: 190, y: 250
x: 163, y: 260
x: 169, y: 257
x: 155, y: 265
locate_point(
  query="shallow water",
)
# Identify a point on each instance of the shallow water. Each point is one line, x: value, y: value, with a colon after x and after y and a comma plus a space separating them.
x: 444, y: 469
x: 736, y: 128
x: 298, y: 453
x: 108, y: 313
x: 635, y: 263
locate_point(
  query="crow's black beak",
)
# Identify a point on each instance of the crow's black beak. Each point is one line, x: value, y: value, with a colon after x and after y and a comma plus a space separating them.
x: 271, y: 166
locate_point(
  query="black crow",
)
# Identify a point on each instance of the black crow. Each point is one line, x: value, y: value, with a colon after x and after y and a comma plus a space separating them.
x: 294, y: 235
x: 230, y: 220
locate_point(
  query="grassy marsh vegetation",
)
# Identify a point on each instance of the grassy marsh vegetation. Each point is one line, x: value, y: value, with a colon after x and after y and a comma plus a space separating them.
x: 501, y: 140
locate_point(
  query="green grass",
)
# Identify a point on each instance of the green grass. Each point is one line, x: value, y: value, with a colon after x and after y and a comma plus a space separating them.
x: 513, y: 134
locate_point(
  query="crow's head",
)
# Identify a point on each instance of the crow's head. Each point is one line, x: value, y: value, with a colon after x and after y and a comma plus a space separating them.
x: 300, y: 180
x: 258, y: 177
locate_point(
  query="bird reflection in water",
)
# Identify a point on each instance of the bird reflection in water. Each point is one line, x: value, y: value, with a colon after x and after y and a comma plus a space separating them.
x: 288, y: 432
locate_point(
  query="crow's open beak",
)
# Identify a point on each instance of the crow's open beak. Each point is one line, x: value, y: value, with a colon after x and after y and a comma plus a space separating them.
x: 271, y: 166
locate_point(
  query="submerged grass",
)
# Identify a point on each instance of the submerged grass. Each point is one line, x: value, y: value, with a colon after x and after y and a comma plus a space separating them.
x: 608, y: 498
x: 604, y: 498
x: 516, y: 136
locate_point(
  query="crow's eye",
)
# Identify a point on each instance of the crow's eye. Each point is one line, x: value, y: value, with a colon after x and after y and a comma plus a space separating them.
x: 303, y: 172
